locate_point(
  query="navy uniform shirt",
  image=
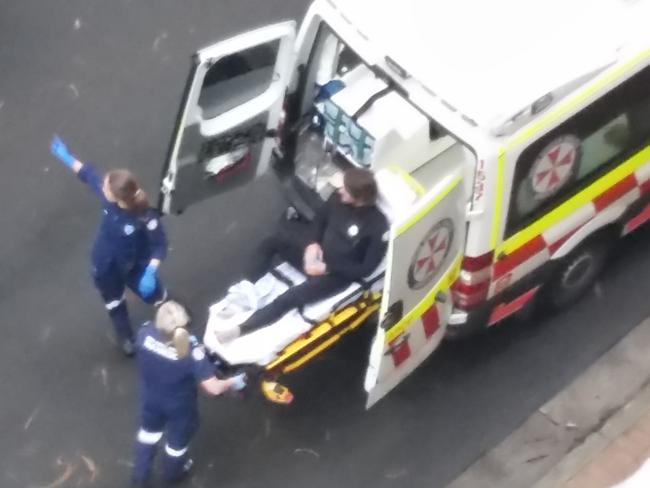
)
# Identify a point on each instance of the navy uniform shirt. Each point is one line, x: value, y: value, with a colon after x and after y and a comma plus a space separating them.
x: 353, y: 238
x: 124, y: 239
x: 165, y: 379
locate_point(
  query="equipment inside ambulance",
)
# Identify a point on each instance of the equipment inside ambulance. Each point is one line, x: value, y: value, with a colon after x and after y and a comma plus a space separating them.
x: 499, y: 190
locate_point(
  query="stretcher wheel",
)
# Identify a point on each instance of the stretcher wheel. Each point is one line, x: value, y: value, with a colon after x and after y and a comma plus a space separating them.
x: 276, y: 392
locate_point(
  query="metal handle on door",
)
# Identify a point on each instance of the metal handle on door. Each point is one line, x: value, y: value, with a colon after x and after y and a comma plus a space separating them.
x: 397, y: 344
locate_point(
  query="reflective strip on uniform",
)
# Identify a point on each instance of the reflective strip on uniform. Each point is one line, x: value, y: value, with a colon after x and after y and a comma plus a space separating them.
x: 114, y: 304
x: 162, y: 300
x: 150, y: 438
x: 174, y: 452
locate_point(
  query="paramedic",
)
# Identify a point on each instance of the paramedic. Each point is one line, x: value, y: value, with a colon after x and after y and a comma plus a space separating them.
x: 130, y: 242
x: 171, y: 366
x: 347, y: 244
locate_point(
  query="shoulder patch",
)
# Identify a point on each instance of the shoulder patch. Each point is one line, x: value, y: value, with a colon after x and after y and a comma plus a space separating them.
x: 198, y: 353
x: 152, y: 224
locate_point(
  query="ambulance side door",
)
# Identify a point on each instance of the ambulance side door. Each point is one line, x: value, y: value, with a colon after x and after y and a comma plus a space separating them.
x: 424, y: 254
x: 224, y: 133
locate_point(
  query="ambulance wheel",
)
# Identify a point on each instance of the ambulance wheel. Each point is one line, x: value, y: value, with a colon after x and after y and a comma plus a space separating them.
x: 577, y: 272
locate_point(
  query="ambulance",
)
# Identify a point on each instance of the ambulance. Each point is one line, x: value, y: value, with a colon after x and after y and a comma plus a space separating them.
x: 510, y: 141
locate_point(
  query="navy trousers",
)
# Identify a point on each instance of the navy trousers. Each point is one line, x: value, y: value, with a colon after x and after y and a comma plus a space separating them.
x: 178, y: 423
x: 111, y: 284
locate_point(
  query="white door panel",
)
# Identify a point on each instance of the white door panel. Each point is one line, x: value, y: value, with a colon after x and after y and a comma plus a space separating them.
x: 232, y: 102
x: 424, y: 255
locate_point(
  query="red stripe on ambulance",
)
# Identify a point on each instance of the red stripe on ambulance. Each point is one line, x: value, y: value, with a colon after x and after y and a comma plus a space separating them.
x: 638, y: 220
x: 431, y: 321
x: 520, y: 255
x: 609, y: 196
x: 400, y: 349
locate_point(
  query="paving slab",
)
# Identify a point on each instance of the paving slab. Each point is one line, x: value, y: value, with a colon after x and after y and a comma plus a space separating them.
x: 590, y: 415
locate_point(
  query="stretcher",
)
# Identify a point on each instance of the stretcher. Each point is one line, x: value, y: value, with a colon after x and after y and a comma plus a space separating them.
x: 301, y: 334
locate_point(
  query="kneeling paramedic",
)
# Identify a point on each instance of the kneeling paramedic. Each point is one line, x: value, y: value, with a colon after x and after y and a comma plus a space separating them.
x: 171, y: 366
x: 346, y: 243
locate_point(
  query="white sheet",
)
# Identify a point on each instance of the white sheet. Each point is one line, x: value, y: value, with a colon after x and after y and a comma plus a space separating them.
x: 262, y: 346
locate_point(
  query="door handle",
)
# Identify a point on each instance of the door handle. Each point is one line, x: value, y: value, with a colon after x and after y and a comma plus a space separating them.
x: 397, y: 344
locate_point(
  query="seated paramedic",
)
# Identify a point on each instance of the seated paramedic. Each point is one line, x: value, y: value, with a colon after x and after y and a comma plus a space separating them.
x: 345, y: 243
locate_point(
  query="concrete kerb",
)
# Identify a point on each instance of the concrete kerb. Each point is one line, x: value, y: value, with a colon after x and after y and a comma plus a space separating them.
x: 562, y: 436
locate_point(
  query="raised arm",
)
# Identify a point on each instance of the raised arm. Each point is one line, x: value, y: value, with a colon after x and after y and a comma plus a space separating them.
x: 60, y: 151
x: 85, y: 172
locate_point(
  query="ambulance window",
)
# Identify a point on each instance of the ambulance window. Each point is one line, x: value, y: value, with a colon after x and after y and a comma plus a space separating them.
x: 237, y: 78
x: 348, y: 60
x: 580, y: 150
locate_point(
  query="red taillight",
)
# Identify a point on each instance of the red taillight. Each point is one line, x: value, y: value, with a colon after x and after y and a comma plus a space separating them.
x: 473, y: 283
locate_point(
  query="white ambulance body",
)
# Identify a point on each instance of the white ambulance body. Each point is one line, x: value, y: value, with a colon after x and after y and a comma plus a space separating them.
x: 519, y: 128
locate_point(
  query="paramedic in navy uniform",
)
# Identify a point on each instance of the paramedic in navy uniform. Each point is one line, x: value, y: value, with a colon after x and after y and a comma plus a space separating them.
x: 130, y: 242
x: 171, y: 366
x: 347, y: 243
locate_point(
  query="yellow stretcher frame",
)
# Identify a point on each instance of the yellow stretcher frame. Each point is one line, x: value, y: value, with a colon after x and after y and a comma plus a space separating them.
x: 324, y: 335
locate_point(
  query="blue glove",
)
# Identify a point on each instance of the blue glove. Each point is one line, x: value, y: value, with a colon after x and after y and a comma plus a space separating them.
x: 61, y: 151
x: 239, y: 381
x: 147, y: 283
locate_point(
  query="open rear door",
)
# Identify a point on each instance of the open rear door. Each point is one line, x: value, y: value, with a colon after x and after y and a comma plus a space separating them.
x: 224, y: 134
x: 424, y: 255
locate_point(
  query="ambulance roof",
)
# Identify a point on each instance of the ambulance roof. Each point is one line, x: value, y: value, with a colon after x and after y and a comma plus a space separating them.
x: 491, y: 58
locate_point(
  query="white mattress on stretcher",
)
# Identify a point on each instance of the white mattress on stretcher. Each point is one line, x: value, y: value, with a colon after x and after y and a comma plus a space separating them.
x: 262, y: 346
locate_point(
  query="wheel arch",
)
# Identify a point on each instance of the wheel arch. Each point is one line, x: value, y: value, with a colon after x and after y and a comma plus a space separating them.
x: 606, y: 223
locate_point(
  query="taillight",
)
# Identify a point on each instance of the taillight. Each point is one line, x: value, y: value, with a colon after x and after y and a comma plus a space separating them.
x: 473, y: 283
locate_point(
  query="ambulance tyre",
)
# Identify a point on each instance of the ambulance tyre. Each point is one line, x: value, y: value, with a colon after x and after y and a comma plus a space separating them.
x: 577, y: 272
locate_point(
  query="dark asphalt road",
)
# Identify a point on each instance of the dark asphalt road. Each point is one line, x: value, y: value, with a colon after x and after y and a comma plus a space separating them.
x: 107, y: 77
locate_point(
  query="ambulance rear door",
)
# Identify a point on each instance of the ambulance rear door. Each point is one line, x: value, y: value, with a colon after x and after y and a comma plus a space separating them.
x: 224, y: 134
x: 424, y: 254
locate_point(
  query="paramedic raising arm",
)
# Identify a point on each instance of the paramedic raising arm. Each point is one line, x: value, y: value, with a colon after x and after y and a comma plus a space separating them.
x: 85, y: 172
x: 60, y: 151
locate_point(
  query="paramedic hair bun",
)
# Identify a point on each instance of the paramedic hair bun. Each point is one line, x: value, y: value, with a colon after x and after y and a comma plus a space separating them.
x: 170, y: 316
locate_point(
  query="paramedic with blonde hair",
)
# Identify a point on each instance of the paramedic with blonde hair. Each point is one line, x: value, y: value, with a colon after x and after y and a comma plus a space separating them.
x: 172, y: 366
